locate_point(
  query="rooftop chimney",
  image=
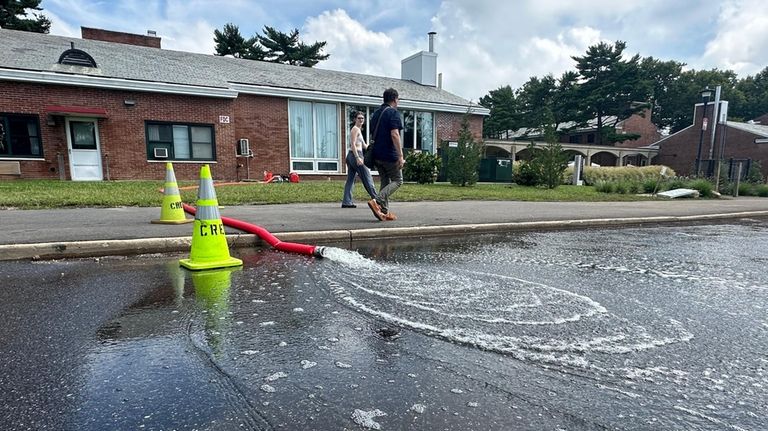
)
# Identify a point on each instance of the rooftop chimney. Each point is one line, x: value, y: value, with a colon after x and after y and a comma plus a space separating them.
x: 432, y: 41
x: 151, y: 40
x: 422, y: 66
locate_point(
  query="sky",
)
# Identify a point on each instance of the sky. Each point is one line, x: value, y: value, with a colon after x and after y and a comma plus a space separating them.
x: 481, y: 44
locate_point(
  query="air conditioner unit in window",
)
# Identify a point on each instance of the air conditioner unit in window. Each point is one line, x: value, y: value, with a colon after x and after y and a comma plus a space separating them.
x: 161, y: 153
x: 244, y: 148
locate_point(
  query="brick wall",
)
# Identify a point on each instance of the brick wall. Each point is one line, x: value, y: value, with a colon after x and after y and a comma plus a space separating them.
x: 264, y: 122
x: 122, y: 134
x: 448, y: 126
x: 119, y: 37
x: 643, y: 126
x: 679, y: 150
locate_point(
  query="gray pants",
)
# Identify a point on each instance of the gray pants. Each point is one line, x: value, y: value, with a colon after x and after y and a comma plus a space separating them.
x: 391, y: 180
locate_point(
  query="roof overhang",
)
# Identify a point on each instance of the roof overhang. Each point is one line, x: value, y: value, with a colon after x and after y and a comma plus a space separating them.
x: 114, y: 83
x: 292, y: 93
x: 76, y: 111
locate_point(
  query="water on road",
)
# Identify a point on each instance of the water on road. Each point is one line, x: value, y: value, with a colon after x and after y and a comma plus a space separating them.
x: 633, y: 328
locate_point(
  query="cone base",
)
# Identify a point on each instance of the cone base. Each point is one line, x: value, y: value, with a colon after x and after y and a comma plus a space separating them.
x: 198, y: 266
x: 186, y: 220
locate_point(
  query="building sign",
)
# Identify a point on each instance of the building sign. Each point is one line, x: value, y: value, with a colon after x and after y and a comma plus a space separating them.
x: 224, y: 119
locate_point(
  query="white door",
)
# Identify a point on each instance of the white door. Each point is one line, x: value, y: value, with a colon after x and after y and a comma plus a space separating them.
x: 84, y: 152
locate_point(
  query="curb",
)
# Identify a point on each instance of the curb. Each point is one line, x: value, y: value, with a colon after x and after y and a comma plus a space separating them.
x: 73, y: 249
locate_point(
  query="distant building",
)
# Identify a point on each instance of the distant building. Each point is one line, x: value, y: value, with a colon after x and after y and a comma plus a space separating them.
x: 116, y: 106
x: 638, y: 152
x: 733, y: 142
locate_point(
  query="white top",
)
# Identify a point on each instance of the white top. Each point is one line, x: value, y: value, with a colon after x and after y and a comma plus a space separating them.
x: 359, y: 142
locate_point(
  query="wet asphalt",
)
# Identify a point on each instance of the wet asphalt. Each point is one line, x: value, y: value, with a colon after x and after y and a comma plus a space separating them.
x: 134, y: 342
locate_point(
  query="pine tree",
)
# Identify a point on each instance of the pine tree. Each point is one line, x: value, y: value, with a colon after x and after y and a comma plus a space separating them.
x: 464, y: 159
x: 13, y: 16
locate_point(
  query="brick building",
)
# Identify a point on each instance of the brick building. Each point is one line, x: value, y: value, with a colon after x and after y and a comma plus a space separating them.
x: 582, y: 141
x: 732, y: 140
x: 116, y: 106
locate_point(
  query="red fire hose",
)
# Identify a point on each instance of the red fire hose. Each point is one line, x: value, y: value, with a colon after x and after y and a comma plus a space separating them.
x: 289, y: 247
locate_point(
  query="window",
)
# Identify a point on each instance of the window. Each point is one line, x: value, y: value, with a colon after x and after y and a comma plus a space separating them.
x: 418, y: 131
x: 20, y: 136
x: 591, y: 138
x: 182, y: 141
x: 314, y: 135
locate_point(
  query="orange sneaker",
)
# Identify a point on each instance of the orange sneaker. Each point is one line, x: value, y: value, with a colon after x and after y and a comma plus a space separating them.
x: 376, y: 209
x: 390, y: 216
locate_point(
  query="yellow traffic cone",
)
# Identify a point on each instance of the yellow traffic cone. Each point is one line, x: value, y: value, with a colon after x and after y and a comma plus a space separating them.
x: 171, y: 212
x: 209, y: 242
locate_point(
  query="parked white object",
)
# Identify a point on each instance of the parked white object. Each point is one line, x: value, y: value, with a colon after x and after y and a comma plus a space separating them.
x: 679, y: 193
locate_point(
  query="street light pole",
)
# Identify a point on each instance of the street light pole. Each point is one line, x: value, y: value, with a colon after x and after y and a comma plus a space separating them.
x: 705, y: 93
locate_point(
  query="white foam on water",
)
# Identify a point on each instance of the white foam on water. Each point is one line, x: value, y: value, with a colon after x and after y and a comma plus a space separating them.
x: 349, y: 258
x: 716, y: 421
x: 365, y: 418
x: 495, y: 312
x: 275, y: 376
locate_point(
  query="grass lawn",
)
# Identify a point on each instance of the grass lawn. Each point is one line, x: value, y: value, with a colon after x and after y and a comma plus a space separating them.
x: 40, y: 194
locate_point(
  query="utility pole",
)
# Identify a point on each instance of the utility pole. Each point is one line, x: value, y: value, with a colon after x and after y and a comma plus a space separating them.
x: 715, y: 121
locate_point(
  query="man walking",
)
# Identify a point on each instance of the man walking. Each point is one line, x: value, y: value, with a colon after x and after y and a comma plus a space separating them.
x: 387, y: 153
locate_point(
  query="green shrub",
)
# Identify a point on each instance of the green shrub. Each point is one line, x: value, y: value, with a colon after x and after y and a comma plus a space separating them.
x: 650, y: 185
x: 592, y: 174
x: 527, y: 174
x: 746, y: 189
x: 421, y: 167
x: 677, y: 183
x: 755, y: 176
x: 464, y: 159
x: 762, y: 190
x: 705, y: 187
x: 603, y: 186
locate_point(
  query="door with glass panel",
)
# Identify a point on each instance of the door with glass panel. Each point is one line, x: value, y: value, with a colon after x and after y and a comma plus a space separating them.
x: 83, y: 149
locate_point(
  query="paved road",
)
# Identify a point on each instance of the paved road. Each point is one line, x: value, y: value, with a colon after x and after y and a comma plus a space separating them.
x: 61, y: 233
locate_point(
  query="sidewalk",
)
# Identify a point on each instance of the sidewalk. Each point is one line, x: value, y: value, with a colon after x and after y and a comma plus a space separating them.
x: 108, y: 231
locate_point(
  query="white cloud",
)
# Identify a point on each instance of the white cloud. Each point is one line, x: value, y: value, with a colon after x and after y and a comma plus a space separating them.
x: 481, y: 44
x: 353, y: 48
x: 739, y: 44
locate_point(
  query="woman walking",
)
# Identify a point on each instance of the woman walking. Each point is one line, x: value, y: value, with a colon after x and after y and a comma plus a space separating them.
x: 355, y: 166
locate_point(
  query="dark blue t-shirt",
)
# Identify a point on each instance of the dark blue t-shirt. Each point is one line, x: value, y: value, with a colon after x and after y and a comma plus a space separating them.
x: 390, y: 119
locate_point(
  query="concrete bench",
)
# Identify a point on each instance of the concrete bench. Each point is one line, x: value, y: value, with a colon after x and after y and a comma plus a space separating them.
x: 10, y: 168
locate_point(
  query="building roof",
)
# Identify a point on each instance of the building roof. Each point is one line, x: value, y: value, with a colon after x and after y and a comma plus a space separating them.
x: 33, y: 57
x: 754, y: 128
x: 759, y: 130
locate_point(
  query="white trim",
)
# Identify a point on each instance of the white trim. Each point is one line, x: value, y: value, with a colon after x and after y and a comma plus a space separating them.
x: 761, y: 140
x: 114, y: 83
x: 352, y: 99
x: 28, y: 159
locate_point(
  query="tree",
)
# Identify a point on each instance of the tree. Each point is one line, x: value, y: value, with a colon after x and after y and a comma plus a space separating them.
x: 661, y: 78
x: 274, y: 46
x: 755, y: 91
x: 464, y: 159
x: 503, y: 117
x: 610, y: 86
x: 288, y: 49
x: 534, y: 101
x: 13, y: 16
x: 686, y: 91
x: 231, y: 42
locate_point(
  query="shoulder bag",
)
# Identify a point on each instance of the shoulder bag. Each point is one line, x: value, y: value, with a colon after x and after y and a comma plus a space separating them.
x: 368, y: 159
